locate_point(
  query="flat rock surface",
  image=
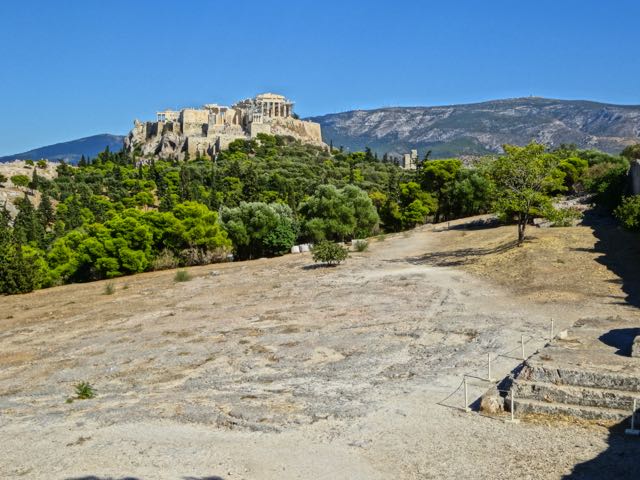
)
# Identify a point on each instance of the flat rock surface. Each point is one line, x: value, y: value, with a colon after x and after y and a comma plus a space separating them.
x: 274, y: 369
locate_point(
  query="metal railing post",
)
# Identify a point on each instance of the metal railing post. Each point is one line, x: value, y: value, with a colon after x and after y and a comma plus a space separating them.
x: 466, y: 396
x: 633, y: 430
x: 489, y: 367
x: 551, y: 335
x: 511, y: 408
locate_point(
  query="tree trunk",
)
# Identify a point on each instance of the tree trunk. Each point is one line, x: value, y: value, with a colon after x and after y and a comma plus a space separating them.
x: 522, y: 224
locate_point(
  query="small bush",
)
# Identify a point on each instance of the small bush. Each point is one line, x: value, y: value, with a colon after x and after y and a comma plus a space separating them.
x: 199, y: 256
x: 329, y: 253
x: 565, y: 217
x: 361, y: 245
x: 182, y: 276
x: 84, y: 391
x: 628, y: 212
x: 110, y: 288
x: 165, y: 261
x: 381, y: 238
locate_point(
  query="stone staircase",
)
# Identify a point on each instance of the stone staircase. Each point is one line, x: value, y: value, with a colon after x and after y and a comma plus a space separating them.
x: 584, y: 375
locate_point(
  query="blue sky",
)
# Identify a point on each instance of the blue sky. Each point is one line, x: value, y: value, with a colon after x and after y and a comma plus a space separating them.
x: 70, y: 69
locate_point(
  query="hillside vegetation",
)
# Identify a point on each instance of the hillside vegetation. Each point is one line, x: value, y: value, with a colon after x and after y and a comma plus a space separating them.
x: 117, y: 214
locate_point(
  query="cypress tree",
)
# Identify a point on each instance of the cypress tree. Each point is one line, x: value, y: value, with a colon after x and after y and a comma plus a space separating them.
x: 45, y: 211
x: 27, y: 227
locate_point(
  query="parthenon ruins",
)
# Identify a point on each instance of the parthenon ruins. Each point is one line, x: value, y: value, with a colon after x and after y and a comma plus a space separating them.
x: 207, y: 130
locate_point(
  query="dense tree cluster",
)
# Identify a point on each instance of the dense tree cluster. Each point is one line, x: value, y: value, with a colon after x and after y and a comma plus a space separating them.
x: 119, y: 213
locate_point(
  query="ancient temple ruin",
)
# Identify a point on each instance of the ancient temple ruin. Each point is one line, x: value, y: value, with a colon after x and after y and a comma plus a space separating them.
x: 207, y: 130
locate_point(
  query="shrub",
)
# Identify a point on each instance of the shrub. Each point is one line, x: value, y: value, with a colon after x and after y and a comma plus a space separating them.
x: 109, y: 288
x: 360, y: 245
x: 165, y: 261
x: 200, y: 256
x: 628, y: 212
x: 182, y: 276
x: 42, y: 164
x: 20, y: 180
x: 565, y: 217
x: 84, y: 391
x: 329, y: 253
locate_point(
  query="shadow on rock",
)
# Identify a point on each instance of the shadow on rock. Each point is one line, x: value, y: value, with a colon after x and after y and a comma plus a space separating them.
x: 620, y: 338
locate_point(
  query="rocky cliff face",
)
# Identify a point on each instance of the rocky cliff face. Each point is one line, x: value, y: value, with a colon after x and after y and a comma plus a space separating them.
x: 482, y: 128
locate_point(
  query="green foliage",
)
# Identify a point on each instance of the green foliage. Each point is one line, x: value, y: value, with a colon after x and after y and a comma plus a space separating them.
x: 628, y: 212
x: 608, y: 183
x: 524, y: 179
x: 182, y: 276
x: 259, y: 229
x: 29, y: 162
x: 361, y: 245
x: 338, y: 214
x: 120, y: 213
x: 20, y: 180
x: 42, y: 164
x: 564, y: 217
x: 84, y: 391
x: 631, y: 152
x: 329, y: 252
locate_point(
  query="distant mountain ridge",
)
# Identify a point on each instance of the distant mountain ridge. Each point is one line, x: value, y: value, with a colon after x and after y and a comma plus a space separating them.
x: 482, y: 128
x: 71, y: 151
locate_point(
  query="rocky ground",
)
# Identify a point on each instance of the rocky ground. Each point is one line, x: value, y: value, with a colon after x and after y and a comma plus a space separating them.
x: 9, y: 193
x: 276, y: 369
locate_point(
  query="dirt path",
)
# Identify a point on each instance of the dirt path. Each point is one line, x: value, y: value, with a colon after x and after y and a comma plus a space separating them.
x: 272, y: 369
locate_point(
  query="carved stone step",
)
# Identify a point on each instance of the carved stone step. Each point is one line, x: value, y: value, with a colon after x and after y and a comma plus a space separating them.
x: 576, y: 395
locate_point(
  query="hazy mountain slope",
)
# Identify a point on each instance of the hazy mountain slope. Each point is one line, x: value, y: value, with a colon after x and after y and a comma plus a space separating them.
x: 71, y: 151
x: 483, y: 127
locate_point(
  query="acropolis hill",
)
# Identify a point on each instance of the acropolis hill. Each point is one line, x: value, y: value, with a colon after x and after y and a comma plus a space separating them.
x: 207, y: 130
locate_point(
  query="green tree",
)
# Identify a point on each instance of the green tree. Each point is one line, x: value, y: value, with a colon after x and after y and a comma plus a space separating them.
x: 258, y: 229
x: 27, y: 225
x: 46, y: 213
x: 523, y: 179
x: 436, y: 176
x: 338, y: 214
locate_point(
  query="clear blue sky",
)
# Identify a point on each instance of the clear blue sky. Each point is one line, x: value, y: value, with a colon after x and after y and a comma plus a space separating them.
x: 76, y: 68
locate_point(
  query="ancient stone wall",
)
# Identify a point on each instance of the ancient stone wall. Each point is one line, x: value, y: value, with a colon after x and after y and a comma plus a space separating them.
x: 207, y: 130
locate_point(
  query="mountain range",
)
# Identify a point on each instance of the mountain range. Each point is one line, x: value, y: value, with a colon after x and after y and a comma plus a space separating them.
x: 446, y: 131
x: 482, y: 128
x: 71, y: 151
